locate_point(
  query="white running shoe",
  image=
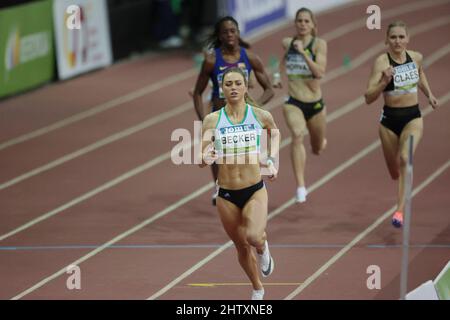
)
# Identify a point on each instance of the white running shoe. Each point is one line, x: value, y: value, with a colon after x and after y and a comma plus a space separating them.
x: 266, y: 263
x: 258, y: 294
x: 301, y: 195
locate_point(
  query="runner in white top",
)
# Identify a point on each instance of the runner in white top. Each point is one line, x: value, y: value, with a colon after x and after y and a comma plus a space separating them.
x: 242, y: 202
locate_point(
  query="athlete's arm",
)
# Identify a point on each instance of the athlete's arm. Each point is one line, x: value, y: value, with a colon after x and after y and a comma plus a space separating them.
x: 207, y: 153
x: 262, y: 77
x: 273, y: 140
x: 200, y: 85
x: 423, y: 82
x: 380, y: 77
x: 318, y: 67
x: 285, y: 44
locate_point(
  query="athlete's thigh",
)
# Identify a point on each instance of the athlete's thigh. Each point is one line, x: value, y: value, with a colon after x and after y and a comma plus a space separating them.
x: 317, y: 126
x: 389, y: 143
x: 254, y: 213
x: 413, y: 128
x: 231, y: 217
x: 295, y: 119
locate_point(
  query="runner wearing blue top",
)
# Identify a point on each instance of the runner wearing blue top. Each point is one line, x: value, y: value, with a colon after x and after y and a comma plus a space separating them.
x: 227, y: 50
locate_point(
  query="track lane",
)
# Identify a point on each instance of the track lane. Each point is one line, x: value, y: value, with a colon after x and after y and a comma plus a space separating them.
x: 57, y: 173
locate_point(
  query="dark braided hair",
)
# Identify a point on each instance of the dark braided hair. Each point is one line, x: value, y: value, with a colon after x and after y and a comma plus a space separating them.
x: 213, y: 40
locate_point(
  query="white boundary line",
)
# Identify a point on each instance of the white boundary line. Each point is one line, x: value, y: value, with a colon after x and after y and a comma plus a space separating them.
x: 162, y: 213
x: 182, y: 201
x: 383, y: 217
x: 363, y: 234
x: 273, y: 214
x: 331, y: 117
x: 191, y: 72
x: 283, y: 207
x: 337, y: 72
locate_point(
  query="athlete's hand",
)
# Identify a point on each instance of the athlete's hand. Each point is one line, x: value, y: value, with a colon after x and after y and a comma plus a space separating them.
x: 273, y: 171
x: 276, y: 80
x: 387, y: 75
x: 298, y: 45
x: 433, y: 101
x: 210, y: 154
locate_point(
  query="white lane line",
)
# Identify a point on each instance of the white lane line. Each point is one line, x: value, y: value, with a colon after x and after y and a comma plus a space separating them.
x: 386, y: 14
x: 370, y: 148
x: 363, y: 234
x: 100, y: 108
x: 191, y: 72
x: 150, y: 220
x: 94, y: 146
x: 435, y: 56
x: 215, y: 246
x: 162, y: 213
x: 94, y: 192
x: 358, y: 102
x: 384, y: 216
x: 337, y: 72
x: 273, y: 214
x: 373, y: 51
x: 43, y: 282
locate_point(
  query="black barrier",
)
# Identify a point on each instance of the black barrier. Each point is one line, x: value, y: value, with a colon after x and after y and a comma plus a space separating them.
x: 142, y: 25
x: 130, y: 26
x: 10, y: 3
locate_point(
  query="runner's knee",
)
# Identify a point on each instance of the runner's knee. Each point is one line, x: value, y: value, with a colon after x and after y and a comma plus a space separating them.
x: 255, y: 239
x: 318, y: 147
x: 403, y: 160
x: 297, y: 137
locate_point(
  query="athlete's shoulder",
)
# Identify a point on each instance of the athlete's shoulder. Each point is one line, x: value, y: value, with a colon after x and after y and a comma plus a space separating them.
x: 382, y: 59
x: 210, y: 56
x: 250, y: 54
x: 319, y: 45
x: 415, y: 55
x: 286, y: 42
x: 211, y: 119
x: 262, y: 114
x: 320, y: 42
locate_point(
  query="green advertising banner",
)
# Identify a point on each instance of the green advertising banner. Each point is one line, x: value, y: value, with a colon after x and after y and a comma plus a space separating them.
x: 26, y: 46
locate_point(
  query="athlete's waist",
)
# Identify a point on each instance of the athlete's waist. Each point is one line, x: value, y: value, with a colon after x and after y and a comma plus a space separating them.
x: 307, y: 102
x: 401, y: 111
x: 243, y: 187
x: 305, y: 90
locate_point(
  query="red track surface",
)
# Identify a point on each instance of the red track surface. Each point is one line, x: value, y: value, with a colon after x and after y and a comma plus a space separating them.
x: 303, y: 238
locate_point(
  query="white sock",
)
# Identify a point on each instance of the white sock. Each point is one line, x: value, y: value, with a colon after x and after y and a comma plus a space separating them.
x: 266, y: 254
x: 258, y: 294
x: 301, y: 194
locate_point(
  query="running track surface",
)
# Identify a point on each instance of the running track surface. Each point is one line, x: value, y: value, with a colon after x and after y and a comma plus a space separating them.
x: 100, y: 166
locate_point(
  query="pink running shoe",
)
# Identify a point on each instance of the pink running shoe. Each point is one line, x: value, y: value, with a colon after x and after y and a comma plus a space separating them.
x: 397, y: 219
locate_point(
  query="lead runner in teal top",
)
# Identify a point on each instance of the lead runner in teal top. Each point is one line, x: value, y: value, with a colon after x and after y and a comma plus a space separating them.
x: 243, y: 201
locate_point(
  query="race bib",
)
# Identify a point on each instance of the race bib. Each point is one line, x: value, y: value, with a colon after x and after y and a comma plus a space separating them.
x: 296, y: 66
x: 238, y: 140
x: 406, y: 76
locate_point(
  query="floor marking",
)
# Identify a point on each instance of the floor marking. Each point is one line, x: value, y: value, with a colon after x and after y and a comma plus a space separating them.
x: 283, y: 207
x: 363, y: 234
x: 167, y: 210
x: 229, y: 284
x: 192, y: 72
